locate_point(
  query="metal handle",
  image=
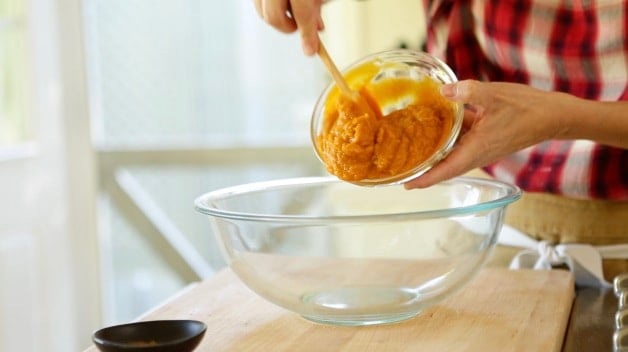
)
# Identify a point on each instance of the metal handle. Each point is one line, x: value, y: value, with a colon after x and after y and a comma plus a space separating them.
x: 620, y: 336
x: 620, y: 283
x: 620, y: 340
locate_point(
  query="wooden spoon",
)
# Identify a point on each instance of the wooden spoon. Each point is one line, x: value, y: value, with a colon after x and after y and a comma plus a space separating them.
x: 342, y: 84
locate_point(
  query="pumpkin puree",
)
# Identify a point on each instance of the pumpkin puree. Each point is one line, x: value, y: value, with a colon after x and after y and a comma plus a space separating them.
x: 357, y: 146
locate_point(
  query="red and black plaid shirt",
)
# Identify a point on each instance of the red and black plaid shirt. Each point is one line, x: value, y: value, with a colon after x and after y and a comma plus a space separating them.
x: 579, y: 47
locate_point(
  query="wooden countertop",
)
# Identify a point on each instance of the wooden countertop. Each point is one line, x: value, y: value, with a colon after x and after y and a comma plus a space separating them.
x: 500, y: 310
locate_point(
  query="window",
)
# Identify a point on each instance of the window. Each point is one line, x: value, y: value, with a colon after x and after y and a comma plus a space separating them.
x: 195, y: 72
x: 15, y: 117
x: 185, y: 97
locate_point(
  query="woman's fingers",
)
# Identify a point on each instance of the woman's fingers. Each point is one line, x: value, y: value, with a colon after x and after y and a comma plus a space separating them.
x: 290, y: 15
x: 258, y: 8
x: 307, y: 14
x: 472, y: 149
x: 468, y: 92
x: 463, y: 158
x: 277, y: 14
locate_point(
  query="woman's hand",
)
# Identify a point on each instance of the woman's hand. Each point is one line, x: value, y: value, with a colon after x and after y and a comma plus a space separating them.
x: 499, y: 119
x: 290, y: 15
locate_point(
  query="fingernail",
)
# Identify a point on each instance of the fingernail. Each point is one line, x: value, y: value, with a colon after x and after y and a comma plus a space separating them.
x: 448, y: 90
x: 308, y: 49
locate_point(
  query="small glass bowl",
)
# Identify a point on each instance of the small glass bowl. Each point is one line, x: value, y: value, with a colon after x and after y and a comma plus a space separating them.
x: 398, y: 64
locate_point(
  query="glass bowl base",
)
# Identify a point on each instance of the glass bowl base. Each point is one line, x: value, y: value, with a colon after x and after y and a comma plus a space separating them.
x: 361, y: 306
x: 365, y: 320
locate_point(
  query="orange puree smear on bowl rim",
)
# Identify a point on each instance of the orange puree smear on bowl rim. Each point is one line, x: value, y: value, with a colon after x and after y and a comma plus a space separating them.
x: 356, y: 146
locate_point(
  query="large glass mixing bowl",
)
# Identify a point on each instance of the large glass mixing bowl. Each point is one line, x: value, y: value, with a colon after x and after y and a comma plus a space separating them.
x: 342, y: 254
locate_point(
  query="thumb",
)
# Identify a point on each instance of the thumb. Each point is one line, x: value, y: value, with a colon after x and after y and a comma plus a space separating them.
x: 466, y: 92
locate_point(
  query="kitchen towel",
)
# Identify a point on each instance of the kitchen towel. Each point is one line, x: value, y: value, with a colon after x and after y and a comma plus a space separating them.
x: 584, y: 260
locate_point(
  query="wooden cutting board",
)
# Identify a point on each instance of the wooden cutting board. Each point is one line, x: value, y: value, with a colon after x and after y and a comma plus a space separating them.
x: 500, y: 310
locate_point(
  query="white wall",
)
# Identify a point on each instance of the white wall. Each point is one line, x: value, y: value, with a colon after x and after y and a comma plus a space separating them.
x: 356, y: 28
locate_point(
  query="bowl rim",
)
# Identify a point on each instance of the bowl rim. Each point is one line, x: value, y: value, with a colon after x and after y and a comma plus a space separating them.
x: 201, y: 203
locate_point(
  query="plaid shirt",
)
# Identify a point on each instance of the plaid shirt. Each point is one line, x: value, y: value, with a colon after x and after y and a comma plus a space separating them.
x: 574, y: 46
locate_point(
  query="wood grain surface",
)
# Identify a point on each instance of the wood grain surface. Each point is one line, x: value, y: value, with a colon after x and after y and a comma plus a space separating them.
x: 500, y: 310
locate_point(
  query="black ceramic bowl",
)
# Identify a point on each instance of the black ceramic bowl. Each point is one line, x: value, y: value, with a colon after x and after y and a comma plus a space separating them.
x: 151, y: 336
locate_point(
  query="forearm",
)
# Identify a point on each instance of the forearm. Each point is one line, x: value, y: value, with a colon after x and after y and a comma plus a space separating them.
x: 602, y: 122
